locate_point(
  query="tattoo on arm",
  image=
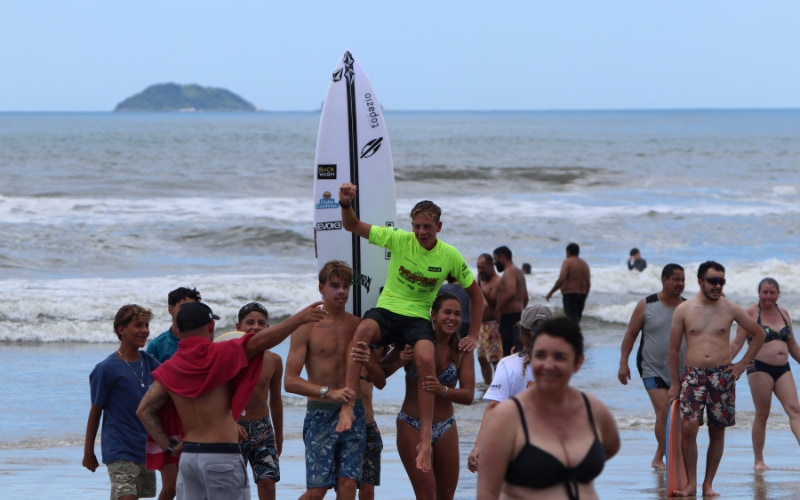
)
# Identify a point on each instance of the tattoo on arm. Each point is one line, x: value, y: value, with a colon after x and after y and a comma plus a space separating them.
x: 155, y: 398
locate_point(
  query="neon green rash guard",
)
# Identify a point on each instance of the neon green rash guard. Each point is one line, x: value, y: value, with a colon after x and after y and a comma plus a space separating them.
x: 415, y: 274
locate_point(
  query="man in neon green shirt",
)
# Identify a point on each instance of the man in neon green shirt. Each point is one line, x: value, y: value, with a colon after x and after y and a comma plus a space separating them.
x: 419, y: 264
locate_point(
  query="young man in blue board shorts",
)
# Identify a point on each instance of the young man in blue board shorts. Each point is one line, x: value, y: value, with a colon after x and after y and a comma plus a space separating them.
x: 420, y: 262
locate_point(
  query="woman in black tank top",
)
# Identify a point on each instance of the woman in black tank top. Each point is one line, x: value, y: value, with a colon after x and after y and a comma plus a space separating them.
x: 551, y: 439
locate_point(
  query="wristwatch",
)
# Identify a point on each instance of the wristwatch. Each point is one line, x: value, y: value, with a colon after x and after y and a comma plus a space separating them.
x: 323, y: 392
x: 172, y: 444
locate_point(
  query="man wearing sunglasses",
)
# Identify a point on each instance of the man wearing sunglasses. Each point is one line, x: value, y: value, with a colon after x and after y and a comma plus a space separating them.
x: 709, y: 380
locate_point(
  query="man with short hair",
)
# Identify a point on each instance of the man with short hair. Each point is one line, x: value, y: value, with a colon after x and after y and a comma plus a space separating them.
x: 512, y: 297
x: 162, y: 348
x: 210, y: 384
x: 419, y: 264
x: 261, y: 425
x: 490, y: 344
x: 574, y: 280
x: 333, y: 459
x: 709, y: 380
x: 514, y: 373
x: 653, y: 317
x: 117, y: 384
x: 165, y: 345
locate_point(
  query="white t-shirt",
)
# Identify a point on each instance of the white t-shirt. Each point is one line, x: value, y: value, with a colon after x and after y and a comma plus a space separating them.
x: 508, y: 379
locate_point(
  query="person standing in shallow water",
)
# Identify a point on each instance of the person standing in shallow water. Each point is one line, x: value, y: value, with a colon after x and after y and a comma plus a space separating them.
x: 770, y: 371
x: 574, y: 281
x: 709, y: 379
x: 653, y: 317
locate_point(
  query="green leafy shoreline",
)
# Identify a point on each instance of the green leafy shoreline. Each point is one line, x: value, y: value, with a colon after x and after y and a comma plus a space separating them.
x: 192, y: 97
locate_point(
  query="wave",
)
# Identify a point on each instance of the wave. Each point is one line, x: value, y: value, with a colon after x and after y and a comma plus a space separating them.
x: 82, y: 309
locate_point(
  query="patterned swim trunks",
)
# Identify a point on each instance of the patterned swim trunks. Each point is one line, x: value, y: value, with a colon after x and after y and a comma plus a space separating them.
x: 712, y: 388
x: 371, y: 463
x: 330, y: 454
x: 490, y: 345
x: 259, y: 449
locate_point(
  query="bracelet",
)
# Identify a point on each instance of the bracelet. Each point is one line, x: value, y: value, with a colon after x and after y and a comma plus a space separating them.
x: 345, y: 206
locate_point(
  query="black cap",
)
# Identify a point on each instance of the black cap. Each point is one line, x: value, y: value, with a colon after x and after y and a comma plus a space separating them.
x: 194, y: 315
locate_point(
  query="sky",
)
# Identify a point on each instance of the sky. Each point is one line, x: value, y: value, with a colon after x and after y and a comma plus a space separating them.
x: 87, y: 55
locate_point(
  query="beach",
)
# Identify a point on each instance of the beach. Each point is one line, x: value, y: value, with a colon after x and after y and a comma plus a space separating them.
x: 98, y: 210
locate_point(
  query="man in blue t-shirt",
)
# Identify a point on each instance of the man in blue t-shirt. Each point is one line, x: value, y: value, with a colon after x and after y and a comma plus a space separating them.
x: 117, y: 385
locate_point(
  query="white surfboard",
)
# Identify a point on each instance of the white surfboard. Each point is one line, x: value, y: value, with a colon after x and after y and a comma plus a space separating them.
x: 353, y: 146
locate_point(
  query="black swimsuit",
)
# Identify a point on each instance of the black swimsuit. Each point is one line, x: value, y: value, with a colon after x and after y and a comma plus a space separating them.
x: 535, y: 468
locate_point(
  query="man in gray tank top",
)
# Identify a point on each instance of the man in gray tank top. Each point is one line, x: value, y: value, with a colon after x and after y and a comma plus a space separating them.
x: 653, y: 317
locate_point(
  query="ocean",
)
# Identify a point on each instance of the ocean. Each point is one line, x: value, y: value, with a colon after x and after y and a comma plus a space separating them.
x: 100, y: 209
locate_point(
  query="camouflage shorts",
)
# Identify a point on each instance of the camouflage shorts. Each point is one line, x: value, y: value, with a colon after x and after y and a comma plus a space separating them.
x: 129, y: 478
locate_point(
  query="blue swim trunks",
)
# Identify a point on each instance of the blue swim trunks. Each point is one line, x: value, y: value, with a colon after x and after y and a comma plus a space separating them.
x: 330, y: 454
x: 259, y: 449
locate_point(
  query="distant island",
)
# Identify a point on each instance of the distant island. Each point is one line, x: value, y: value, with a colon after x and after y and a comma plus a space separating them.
x: 174, y: 97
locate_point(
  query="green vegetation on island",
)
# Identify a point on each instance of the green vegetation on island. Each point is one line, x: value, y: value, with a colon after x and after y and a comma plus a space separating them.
x: 174, y: 97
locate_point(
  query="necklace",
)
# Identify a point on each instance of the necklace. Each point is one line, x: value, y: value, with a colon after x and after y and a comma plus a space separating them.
x: 141, y: 366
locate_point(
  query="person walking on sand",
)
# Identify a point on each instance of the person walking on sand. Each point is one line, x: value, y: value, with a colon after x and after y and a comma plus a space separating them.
x: 454, y: 383
x: 261, y: 425
x: 419, y: 264
x: 770, y: 371
x: 512, y: 298
x: 117, y: 384
x: 490, y: 345
x: 210, y: 384
x: 574, y: 280
x: 653, y: 317
x: 709, y: 380
x: 333, y: 459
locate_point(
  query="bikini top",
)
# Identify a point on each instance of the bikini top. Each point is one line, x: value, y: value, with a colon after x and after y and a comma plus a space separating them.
x: 535, y: 468
x: 783, y: 334
x: 448, y: 377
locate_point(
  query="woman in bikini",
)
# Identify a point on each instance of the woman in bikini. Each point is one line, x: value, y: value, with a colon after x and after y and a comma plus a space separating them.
x: 551, y: 440
x: 454, y: 368
x: 770, y: 373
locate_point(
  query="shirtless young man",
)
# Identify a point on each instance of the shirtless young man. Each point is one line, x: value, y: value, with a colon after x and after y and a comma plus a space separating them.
x: 512, y: 298
x: 653, y: 317
x: 709, y: 381
x: 490, y: 344
x: 332, y: 458
x: 419, y: 264
x: 210, y: 383
x: 574, y: 280
x: 261, y: 426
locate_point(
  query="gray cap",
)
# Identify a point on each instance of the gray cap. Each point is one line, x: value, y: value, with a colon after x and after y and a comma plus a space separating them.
x: 533, y: 313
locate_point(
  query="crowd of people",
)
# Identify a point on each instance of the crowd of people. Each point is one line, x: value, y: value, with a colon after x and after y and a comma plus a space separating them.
x: 198, y: 409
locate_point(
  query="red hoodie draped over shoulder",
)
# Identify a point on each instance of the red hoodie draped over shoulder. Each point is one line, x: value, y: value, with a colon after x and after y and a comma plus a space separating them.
x: 200, y: 365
